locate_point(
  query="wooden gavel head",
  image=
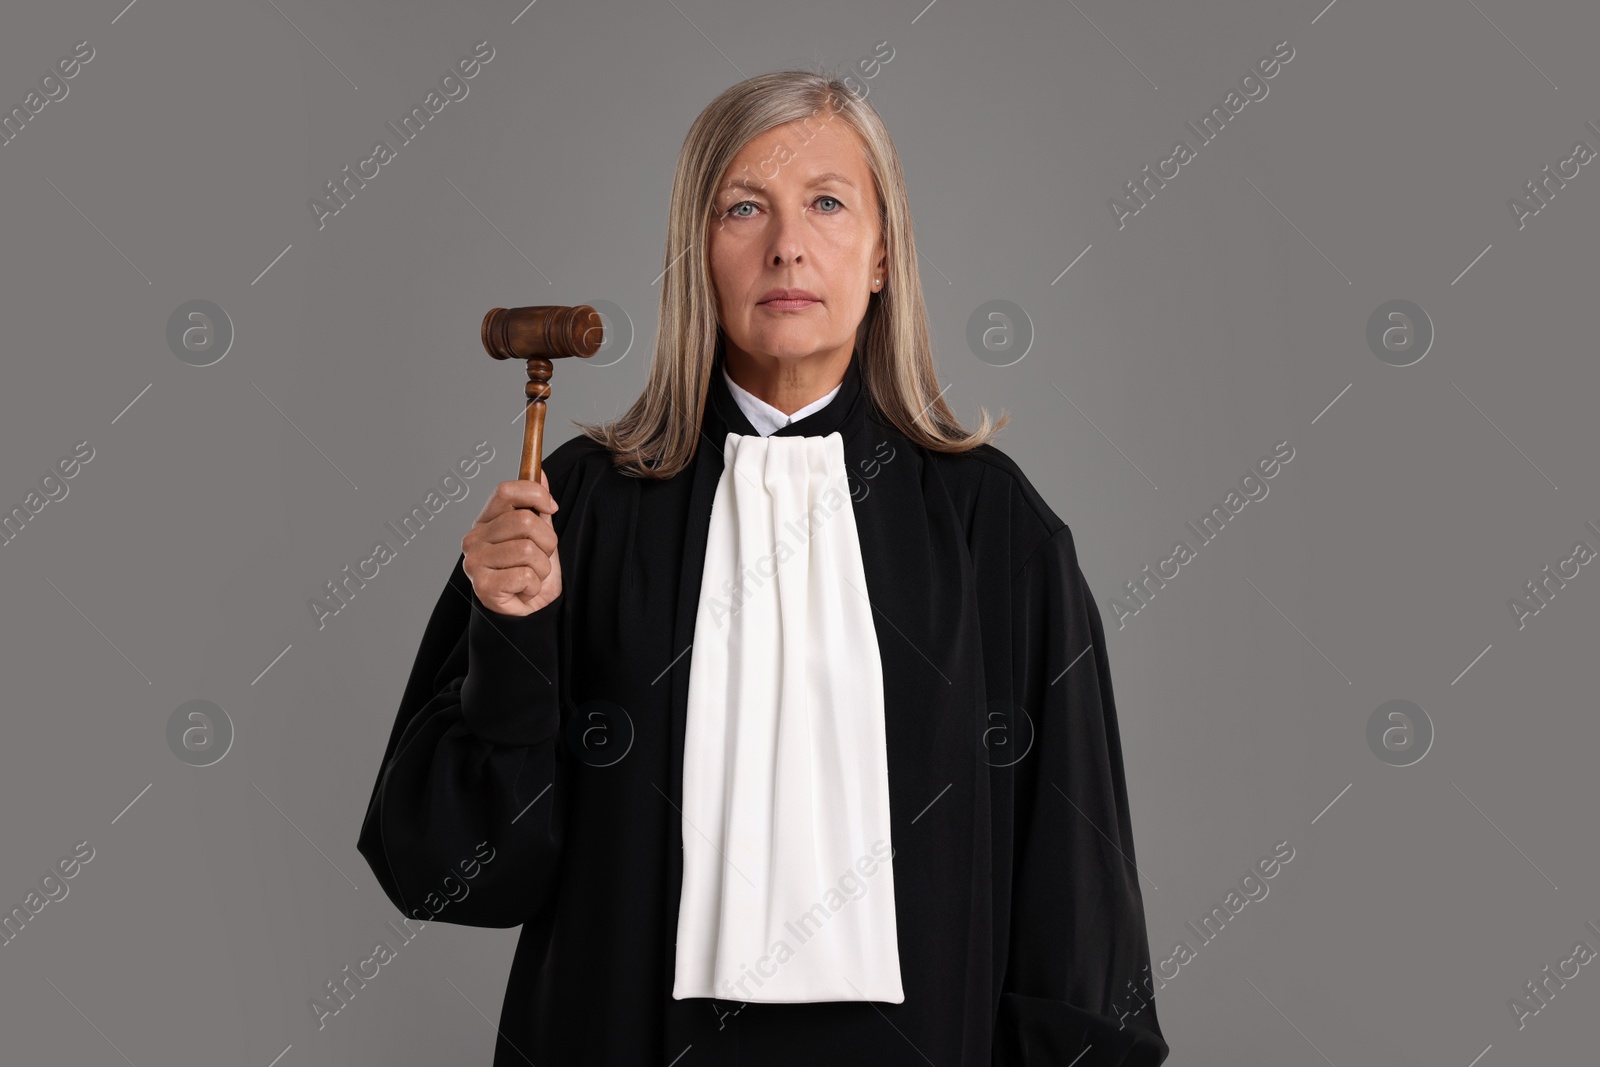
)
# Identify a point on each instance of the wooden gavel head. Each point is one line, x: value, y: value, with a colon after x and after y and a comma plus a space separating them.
x: 539, y: 335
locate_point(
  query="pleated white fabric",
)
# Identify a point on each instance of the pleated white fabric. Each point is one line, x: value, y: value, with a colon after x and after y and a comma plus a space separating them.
x: 788, y: 881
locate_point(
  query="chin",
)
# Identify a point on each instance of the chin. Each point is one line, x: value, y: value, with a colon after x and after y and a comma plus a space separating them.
x: 783, y: 344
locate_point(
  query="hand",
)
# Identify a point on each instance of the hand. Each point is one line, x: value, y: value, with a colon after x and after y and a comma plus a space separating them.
x: 511, y: 558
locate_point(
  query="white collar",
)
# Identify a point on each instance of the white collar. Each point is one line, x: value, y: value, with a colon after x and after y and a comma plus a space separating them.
x: 762, y: 415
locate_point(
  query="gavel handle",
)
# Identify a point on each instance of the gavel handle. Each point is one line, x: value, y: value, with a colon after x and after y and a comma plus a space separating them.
x: 537, y: 391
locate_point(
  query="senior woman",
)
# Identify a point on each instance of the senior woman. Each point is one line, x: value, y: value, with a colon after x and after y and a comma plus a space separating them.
x: 778, y: 713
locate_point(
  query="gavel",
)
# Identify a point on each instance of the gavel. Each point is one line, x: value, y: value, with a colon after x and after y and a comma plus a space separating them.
x: 539, y: 335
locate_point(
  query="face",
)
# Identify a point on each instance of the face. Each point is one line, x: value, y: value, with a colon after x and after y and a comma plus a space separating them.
x: 801, y: 214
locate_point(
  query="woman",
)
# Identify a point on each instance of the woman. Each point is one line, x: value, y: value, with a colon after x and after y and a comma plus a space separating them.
x: 779, y: 705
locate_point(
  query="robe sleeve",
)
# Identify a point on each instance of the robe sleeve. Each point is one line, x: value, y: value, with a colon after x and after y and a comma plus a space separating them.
x: 464, y: 824
x: 1077, y: 984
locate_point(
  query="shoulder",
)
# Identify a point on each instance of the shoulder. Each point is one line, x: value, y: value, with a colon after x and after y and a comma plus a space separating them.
x: 996, y: 496
x: 576, y: 462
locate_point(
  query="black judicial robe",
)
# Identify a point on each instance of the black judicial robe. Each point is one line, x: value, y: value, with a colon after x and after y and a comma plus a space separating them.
x: 557, y: 738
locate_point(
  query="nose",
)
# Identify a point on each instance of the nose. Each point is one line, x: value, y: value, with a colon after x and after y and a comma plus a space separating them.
x: 787, y: 239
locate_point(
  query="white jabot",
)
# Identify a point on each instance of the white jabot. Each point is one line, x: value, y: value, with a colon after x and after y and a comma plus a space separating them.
x: 762, y: 415
x: 788, y: 880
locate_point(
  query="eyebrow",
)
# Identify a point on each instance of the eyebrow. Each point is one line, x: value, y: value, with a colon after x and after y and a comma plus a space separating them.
x: 821, y: 179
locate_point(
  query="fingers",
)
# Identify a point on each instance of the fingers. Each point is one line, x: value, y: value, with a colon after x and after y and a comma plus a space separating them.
x: 516, y: 510
x: 519, y: 551
x: 517, y: 524
x: 500, y: 590
x: 508, y: 496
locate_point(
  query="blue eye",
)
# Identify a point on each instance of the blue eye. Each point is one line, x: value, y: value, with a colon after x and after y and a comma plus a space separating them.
x: 751, y: 203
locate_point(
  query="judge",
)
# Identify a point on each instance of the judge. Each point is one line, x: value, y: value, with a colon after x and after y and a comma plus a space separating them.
x: 781, y: 701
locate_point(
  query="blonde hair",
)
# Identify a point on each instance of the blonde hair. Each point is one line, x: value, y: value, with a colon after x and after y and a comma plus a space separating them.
x: 657, y: 436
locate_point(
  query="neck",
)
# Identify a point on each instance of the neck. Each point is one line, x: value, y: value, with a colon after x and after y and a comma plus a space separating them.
x: 787, y: 383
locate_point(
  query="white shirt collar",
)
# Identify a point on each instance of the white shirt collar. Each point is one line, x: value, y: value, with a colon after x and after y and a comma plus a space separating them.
x: 762, y: 415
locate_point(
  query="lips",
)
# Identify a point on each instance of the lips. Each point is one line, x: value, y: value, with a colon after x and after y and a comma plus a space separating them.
x: 788, y: 299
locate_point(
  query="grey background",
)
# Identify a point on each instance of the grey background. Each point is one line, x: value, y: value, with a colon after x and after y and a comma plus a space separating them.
x: 1225, y: 317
